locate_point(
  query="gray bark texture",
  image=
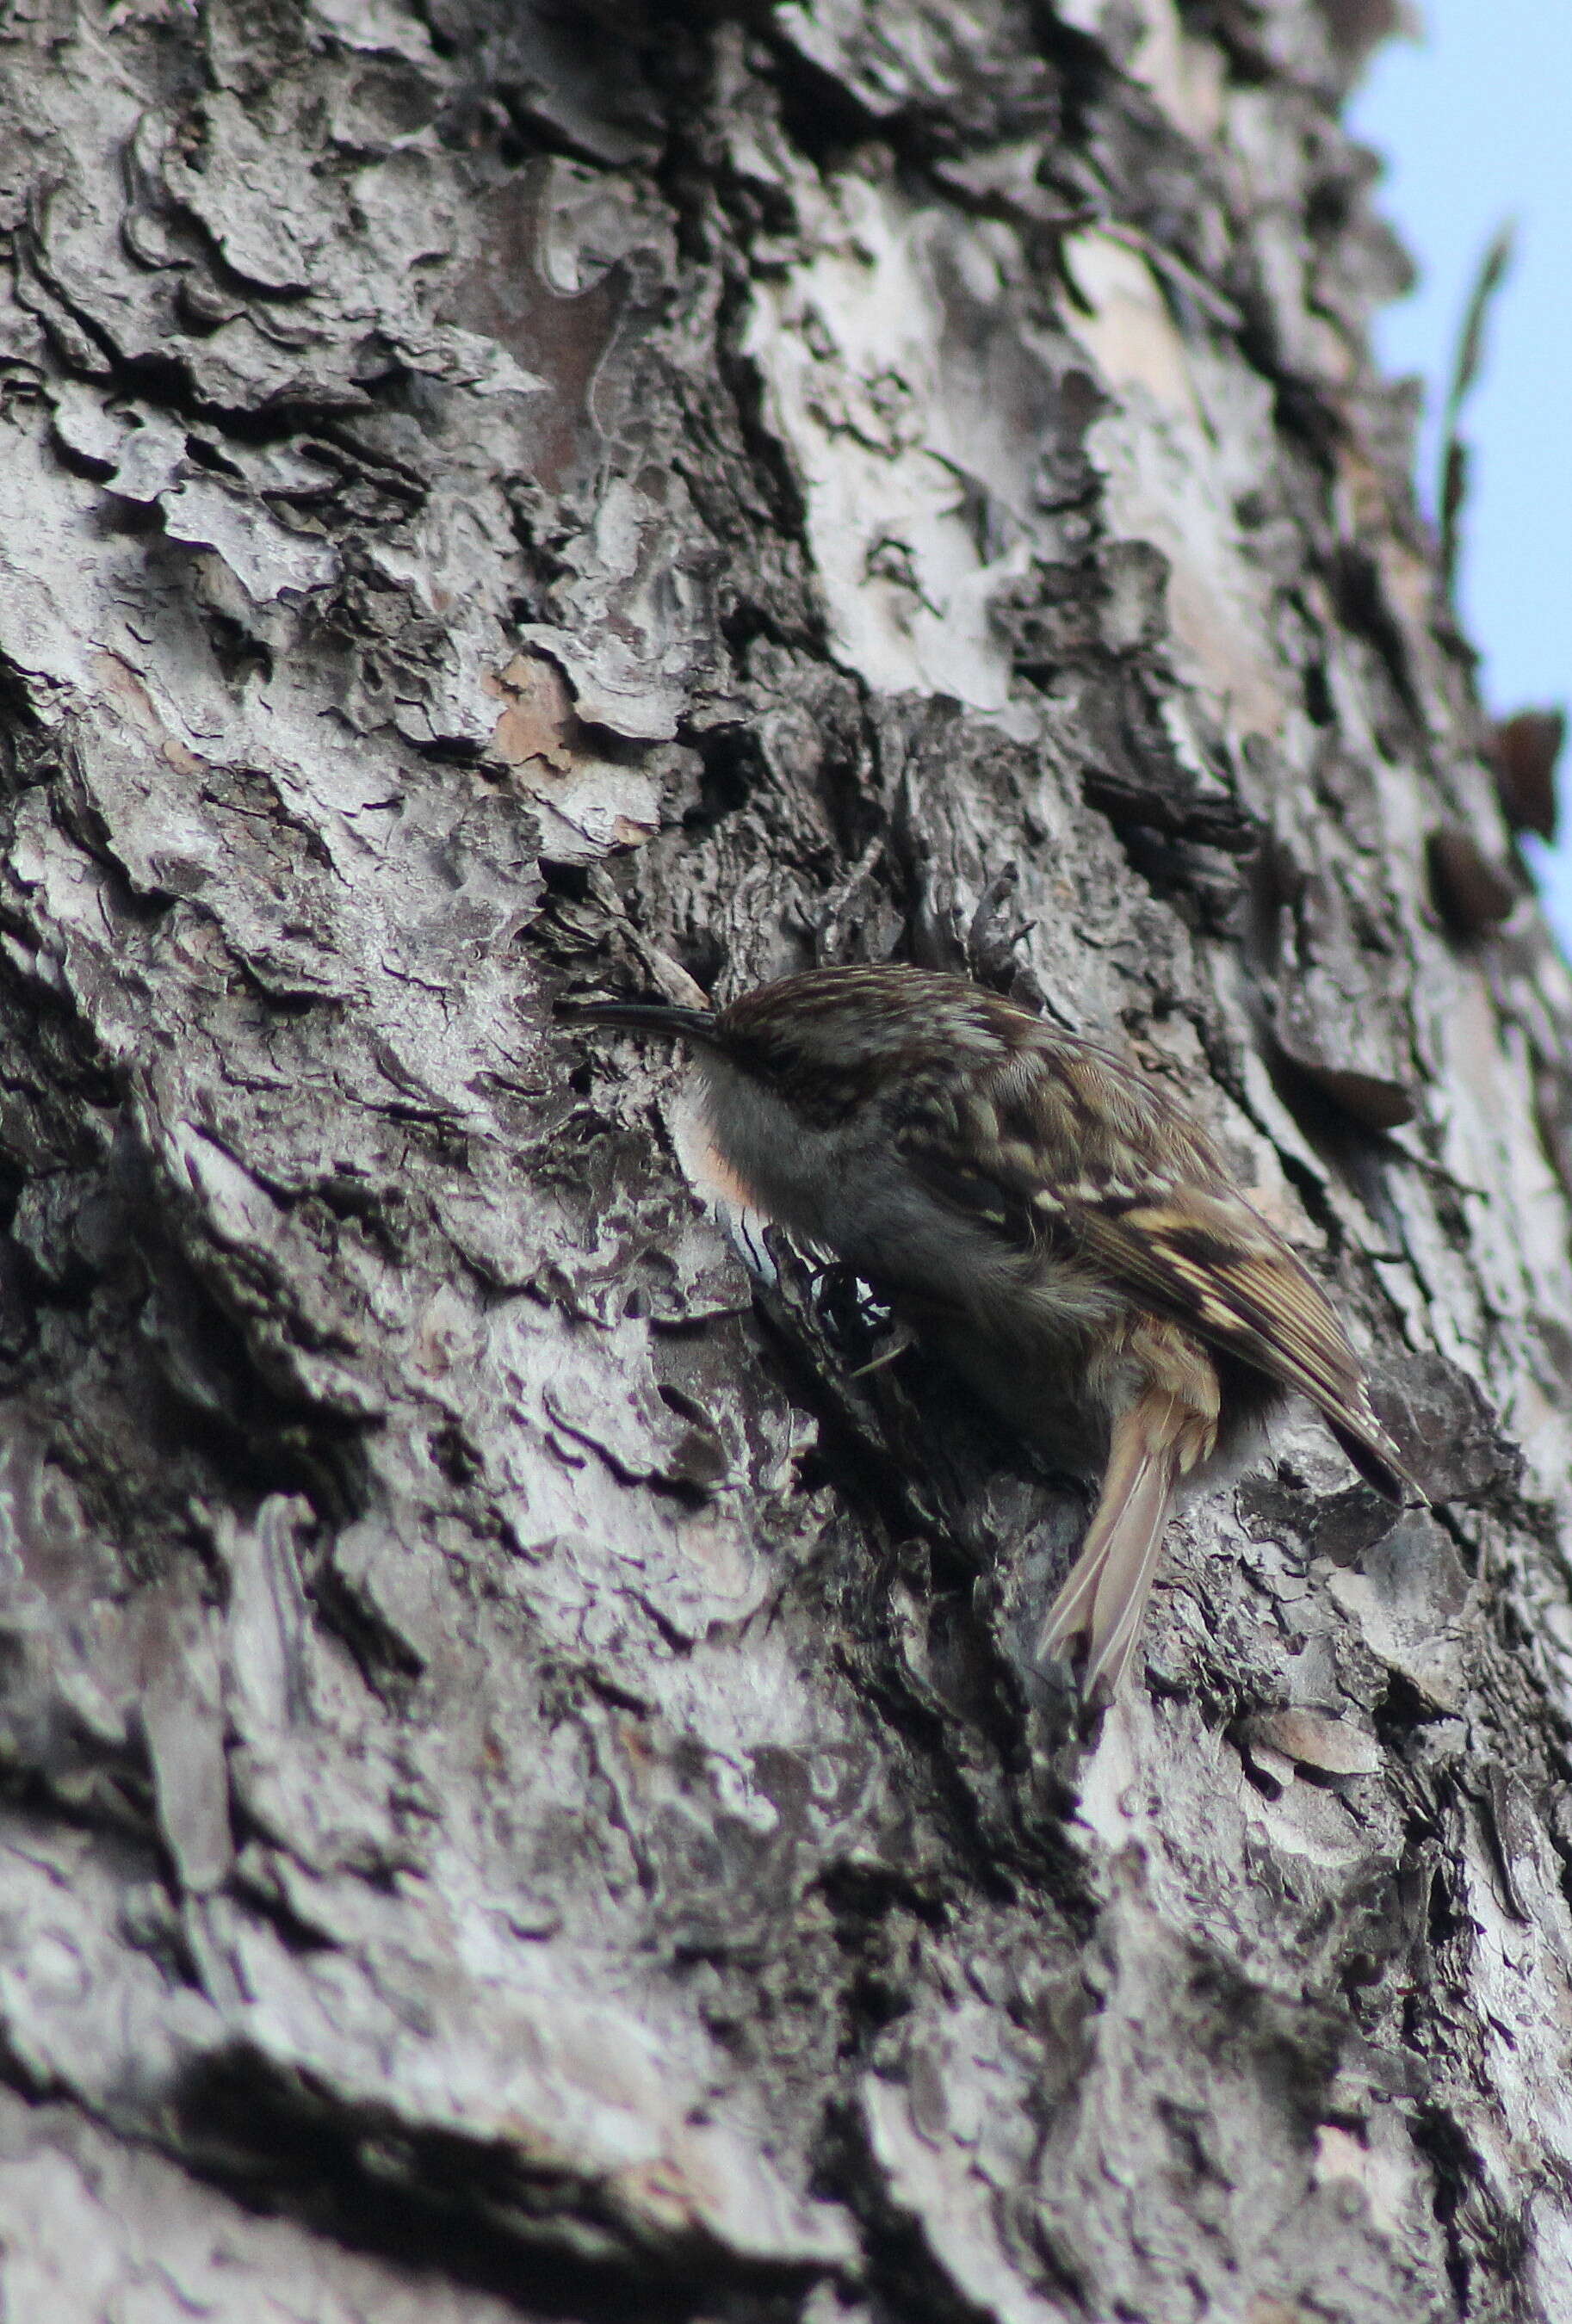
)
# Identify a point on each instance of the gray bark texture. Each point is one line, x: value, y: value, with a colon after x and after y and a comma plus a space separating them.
x: 525, y: 1786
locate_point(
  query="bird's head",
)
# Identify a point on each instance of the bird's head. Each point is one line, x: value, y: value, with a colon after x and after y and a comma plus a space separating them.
x: 832, y: 1038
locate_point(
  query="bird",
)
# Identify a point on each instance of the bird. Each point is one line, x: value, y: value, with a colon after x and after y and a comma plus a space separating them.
x: 1041, y: 1212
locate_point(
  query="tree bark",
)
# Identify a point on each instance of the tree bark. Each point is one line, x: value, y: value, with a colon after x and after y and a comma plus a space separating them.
x: 527, y: 1787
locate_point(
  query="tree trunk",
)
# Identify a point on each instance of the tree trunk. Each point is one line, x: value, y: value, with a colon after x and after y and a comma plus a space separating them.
x: 527, y: 1787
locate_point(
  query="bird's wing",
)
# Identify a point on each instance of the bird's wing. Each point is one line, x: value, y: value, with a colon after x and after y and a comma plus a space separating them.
x: 1049, y: 1155
x: 1209, y: 1260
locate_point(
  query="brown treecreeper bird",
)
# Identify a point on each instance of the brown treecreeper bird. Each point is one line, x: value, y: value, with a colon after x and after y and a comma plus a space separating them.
x: 1042, y: 1213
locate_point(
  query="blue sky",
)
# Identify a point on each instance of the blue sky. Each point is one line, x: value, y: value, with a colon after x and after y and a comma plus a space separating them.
x: 1475, y: 122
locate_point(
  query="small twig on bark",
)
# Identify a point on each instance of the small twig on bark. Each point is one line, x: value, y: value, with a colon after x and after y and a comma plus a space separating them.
x: 1465, y: 370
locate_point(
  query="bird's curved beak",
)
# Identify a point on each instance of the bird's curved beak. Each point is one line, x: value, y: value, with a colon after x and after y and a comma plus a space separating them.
x: 641, y: 1016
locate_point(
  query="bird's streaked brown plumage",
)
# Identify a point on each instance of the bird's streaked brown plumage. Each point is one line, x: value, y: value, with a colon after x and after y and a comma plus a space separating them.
x: 1064, y: 1233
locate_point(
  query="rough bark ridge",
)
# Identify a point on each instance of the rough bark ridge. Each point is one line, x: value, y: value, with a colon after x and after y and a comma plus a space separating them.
x: 526, y: 1787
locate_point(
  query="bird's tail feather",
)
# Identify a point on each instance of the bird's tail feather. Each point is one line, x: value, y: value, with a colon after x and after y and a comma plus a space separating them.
x: 1106, y: 1591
